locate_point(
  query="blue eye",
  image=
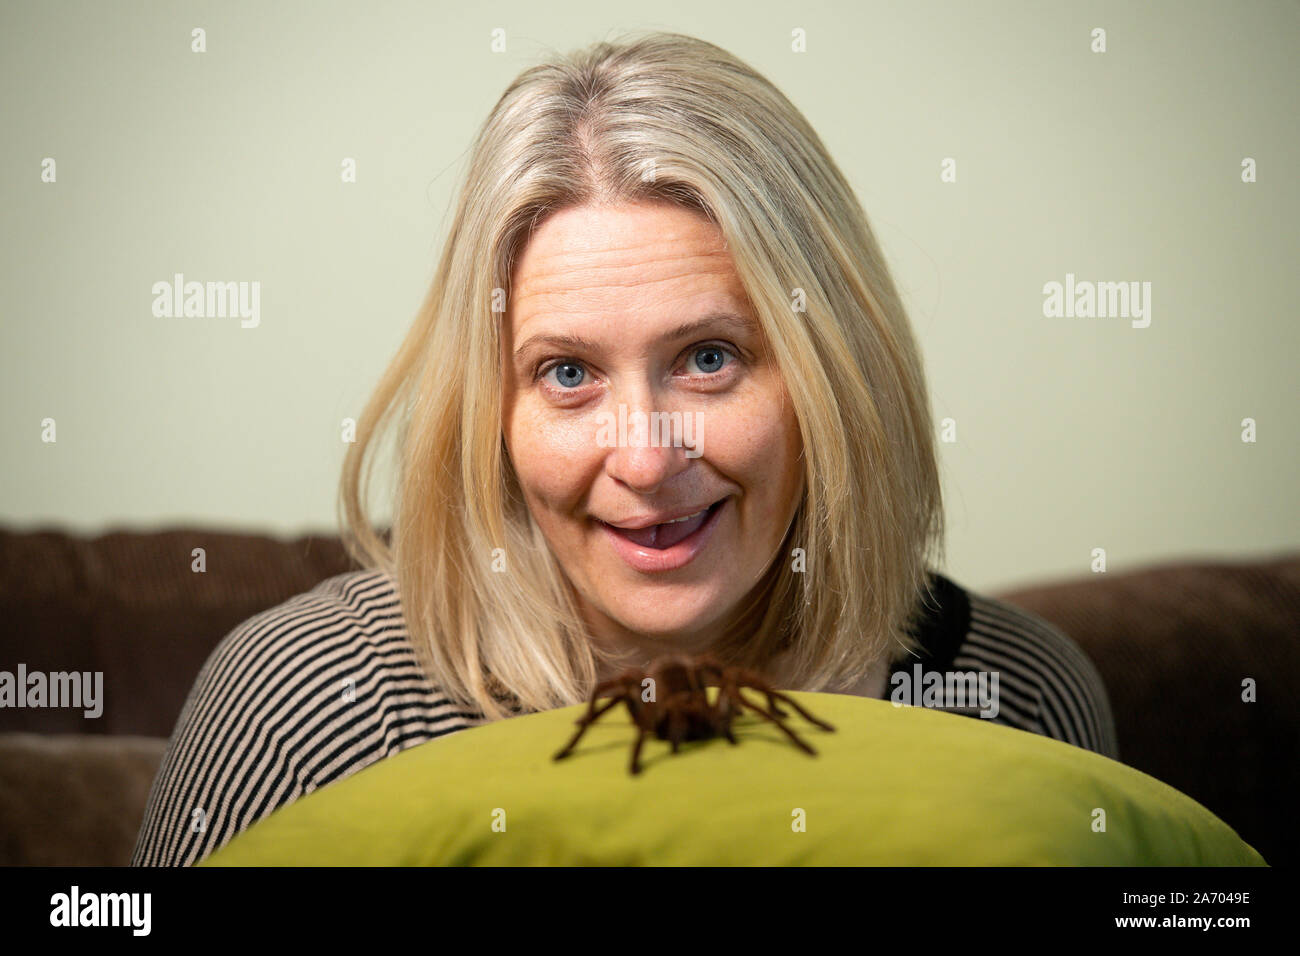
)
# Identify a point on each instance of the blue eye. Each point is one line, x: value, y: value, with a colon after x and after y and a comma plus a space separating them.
x: 709, y: 358
x: 568, y: 374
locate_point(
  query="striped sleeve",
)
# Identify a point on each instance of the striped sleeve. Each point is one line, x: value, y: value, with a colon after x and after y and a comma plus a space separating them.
x: 1047, y: 685
x: 292, y: 699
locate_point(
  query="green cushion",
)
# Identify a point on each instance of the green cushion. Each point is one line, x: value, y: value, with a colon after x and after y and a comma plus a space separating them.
x: 891, y: 786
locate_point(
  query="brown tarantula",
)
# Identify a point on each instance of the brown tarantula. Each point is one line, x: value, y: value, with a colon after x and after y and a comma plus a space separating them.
x: 678, y: 706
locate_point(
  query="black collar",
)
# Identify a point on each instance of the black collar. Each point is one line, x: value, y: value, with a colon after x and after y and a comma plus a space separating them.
x: 940, y: 630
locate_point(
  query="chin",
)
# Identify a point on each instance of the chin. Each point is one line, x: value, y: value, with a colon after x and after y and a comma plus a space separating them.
x: 655, y: 617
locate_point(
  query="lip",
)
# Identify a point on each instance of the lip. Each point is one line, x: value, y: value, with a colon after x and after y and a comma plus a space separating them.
x: 636, y: 524
x: 654, y: 560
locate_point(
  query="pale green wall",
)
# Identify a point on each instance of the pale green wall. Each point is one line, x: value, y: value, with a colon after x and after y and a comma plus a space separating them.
x: 1072, y: 433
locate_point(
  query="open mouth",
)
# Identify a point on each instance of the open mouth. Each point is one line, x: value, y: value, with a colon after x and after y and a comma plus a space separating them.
x: 660, y: 537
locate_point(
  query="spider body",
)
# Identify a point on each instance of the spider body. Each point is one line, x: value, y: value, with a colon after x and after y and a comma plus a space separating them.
x: 670, y: 700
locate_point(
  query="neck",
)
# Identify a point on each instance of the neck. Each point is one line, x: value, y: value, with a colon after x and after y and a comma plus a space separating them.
x: 619, y: 649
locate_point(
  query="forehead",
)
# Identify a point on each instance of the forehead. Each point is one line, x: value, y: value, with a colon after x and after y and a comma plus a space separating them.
x: 610, y: 257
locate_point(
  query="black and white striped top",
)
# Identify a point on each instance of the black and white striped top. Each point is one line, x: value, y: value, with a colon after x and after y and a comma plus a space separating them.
x: 327, y: 683
x: 1046, y: 684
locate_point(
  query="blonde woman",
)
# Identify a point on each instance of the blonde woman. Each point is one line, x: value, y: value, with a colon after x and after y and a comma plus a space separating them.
x: 662, y: 396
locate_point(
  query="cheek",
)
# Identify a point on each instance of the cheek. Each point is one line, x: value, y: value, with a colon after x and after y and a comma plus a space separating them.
x: 759, y: 447
x: 553, y: 454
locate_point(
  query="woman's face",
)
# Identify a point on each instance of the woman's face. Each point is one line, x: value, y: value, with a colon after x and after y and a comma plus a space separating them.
x: 655, y: 445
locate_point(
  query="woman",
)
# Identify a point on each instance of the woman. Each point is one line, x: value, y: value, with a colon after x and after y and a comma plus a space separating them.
x: 652, y: 234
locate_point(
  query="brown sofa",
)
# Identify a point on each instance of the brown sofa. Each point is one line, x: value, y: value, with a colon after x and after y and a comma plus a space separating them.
x: 1173, y: 643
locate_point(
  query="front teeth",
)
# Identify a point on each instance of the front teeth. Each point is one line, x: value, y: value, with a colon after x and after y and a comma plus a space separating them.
x: 687, y: 518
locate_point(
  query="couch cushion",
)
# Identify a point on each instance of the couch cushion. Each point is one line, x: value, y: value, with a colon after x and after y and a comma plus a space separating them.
x: 73, y: 800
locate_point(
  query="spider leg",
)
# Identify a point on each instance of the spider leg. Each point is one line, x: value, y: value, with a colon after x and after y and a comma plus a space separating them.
x: 722, y: 718
x: 636, y: 749
x: 803, y: 713
x: 711, y: 675
x: 776, y: 720
x: 739, y: 676
x: 723, y: 712
x: 603, y: 690
x: 592, y: 715
x: 676, y: 728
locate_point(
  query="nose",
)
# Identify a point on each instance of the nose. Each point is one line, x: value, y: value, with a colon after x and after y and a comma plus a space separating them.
x: 643, y: 455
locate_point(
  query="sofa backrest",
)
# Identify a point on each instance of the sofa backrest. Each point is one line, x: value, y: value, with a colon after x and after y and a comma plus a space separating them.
x: 131, y: 605
x: 1181, y: 647
x: 1174, y: 644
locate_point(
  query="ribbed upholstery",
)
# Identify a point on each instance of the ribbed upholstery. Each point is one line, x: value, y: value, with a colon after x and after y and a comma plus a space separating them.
x: 129, y: 605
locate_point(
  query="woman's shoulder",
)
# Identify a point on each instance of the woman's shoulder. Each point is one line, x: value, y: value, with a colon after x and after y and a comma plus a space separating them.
x: 293, y: 698
x: 1046, y: 684
x: 341, y: 646
x: 355, y: 598
x: 357, y: 612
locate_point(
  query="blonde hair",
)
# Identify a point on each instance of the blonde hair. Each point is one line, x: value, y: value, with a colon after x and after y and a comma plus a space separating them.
x: 720, y: 139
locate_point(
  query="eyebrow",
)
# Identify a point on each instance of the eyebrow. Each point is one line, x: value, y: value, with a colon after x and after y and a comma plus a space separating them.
x: 713, y: 320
